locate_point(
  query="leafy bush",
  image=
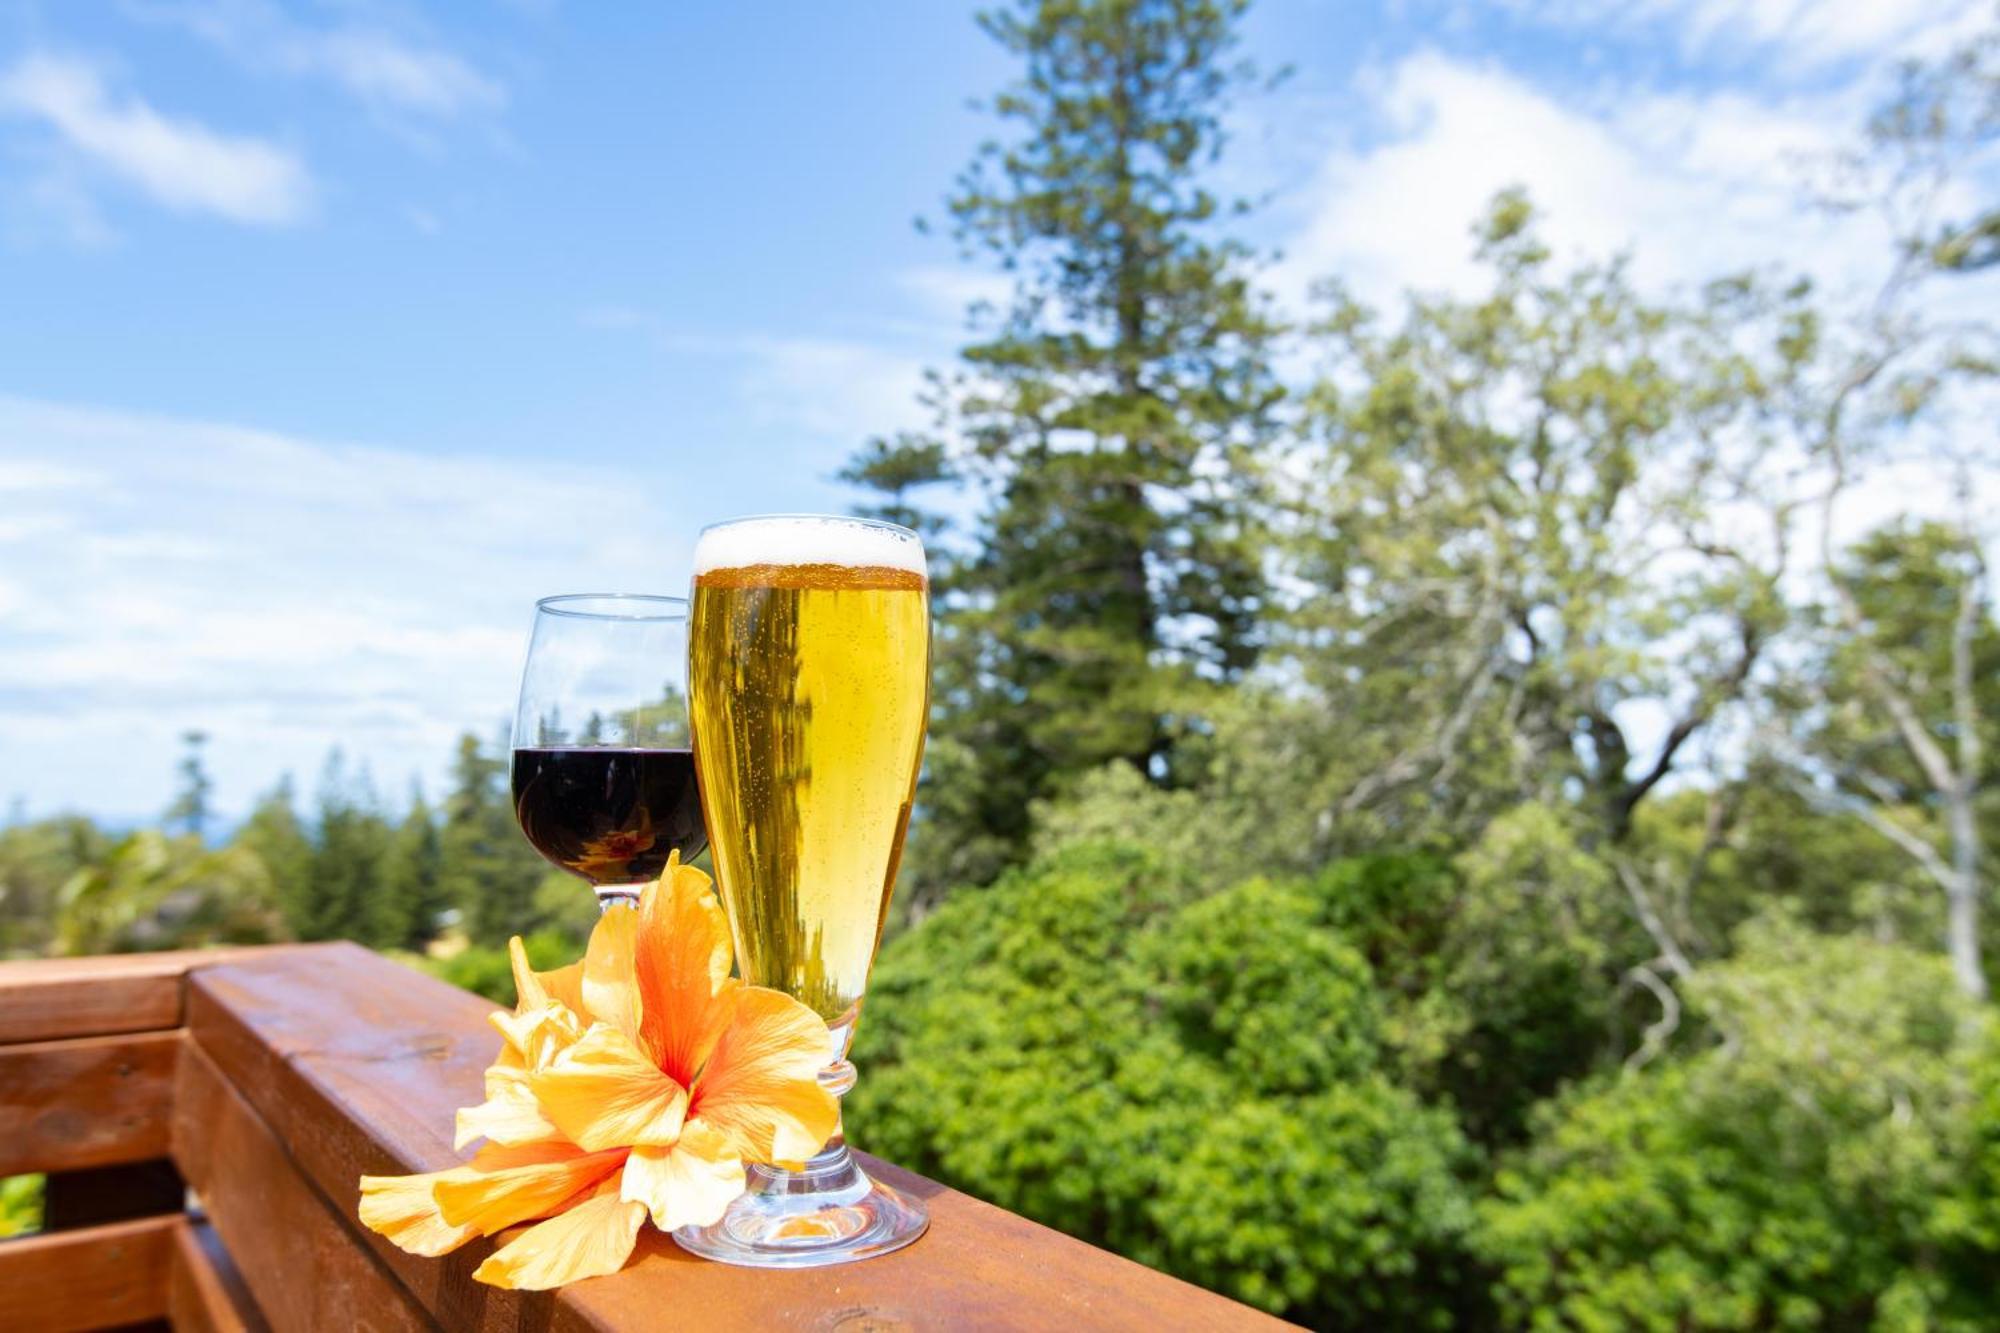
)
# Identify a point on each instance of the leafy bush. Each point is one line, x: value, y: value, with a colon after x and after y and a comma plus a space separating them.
x: 1494, y: 966
x: 1194, y: 1082
x: 484, y: 970
x: 1822, y: 1168
x: 152, y: 891
x: 20, y: 1205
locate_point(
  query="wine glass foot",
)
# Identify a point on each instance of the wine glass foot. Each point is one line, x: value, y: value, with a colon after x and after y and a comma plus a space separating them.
x: 829, y: 1213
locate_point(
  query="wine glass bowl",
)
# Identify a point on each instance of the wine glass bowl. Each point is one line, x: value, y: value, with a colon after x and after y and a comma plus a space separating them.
x: 603, y: 777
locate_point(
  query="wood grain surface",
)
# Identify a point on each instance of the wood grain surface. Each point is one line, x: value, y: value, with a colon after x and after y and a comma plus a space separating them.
x: 96, y: 1277
x: 357, y: 1064
x: 85, y: 1101
x: 45, y: 998
x: 205, y: 1293
x: 298, y: 1258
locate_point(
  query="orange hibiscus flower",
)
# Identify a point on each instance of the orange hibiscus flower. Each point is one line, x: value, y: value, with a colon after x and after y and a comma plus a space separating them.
x: 637, y: 1082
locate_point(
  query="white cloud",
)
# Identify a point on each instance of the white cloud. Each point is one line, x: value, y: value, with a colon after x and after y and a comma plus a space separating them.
x: 375, y: 66
x: 284, y: 595
x: 178, y: 162
x: 1802, y: 34
x: 1694, y: 184
x: 838, y: 390
x: 947, y: 293
x: 820, y: 396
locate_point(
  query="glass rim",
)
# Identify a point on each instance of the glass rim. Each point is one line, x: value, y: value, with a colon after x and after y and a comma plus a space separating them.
x: 881, y: 523
x: 664, y: 608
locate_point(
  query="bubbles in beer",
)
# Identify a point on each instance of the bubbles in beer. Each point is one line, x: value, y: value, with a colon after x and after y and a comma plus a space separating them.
x: 809, y: 676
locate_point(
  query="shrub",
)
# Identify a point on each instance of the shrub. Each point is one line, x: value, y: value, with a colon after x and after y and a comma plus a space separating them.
x: 1822, y: 1168
x: 1195, y: 1083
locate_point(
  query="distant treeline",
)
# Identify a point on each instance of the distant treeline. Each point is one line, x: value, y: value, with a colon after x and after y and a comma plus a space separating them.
x: 345, y: 864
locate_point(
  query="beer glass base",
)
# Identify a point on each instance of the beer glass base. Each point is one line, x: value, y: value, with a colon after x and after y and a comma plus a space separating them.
x: 828, y: 1213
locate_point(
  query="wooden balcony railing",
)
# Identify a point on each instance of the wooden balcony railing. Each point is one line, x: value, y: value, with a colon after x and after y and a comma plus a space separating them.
x: 204, y: 1117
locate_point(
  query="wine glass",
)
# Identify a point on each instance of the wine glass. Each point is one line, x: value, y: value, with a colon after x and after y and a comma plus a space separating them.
x: 809, y: 687
x: 604, y: 783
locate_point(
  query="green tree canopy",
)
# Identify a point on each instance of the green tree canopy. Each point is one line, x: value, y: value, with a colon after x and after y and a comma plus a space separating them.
x: 1811, y: 1171
x: 1196, y: 1080
x: 1113, y: 421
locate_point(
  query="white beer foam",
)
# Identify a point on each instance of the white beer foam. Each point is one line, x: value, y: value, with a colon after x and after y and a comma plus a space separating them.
x: 808, y: 540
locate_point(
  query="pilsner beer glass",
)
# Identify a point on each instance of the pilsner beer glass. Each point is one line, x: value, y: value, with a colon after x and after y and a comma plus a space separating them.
x: 809, y: 686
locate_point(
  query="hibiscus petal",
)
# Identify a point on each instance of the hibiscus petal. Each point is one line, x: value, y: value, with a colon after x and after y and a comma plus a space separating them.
x: 536, y: 1036
x: 494, y: 1200
x: 761, y: 1088
x: 689, y: 1184
x: 683, y: 966
x: 505, y: 1156
x: 610, y: 983
x: 591, y: 1239
x: 604, y: 1093
x: 510, y: 1113
x: 404, y: 1209
x: 534, y: 989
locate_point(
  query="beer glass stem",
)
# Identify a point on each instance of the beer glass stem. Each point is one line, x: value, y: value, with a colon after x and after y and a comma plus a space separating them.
x: 825, y: 1212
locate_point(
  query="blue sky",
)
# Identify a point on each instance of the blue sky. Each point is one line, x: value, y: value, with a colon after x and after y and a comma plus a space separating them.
x: 333, y: 333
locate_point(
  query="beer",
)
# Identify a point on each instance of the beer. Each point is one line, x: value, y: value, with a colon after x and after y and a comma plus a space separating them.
x: 809, y: 686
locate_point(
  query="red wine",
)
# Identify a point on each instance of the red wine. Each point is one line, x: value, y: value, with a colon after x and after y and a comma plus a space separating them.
x: 611, y: 816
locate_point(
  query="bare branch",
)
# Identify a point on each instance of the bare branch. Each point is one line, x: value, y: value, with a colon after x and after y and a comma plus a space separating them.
x: 1925, y: 855
x: 1654, y: 1039
x: 1642, y: 905
x: 1965, y: 706
x: 1477, y: 672
x: 1706, y: 701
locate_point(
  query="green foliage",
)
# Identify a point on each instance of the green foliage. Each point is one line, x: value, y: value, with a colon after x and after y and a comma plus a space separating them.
x: 489, y: 870
x: 1490, y: 480
x: 1113, y: 419
x: 190, y: 805
x: 152, y: 891
x: 20, y: 1205
x: 1526, y: 997
x: 343, y: 898
x: 485, y: 970
x: 412, y: 889
x: 1197, y: 1082
x: 1237, y: 971
x: 1812, y: 1172
x: 36, y: 860
x: 274, y: 836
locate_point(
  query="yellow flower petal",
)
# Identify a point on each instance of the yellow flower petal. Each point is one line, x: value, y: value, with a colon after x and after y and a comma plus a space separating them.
x: 403, y: 1209
x: 610, y: 982
x: 589, y: 1240
x: 689, y: 1184
x: 536, y: 1036
x: 494, y: 1200
x: 604, y: 1093
x: 534, y: 989
x: 683, y: 968
x: 510, y: 1113
x: 505, y: 1156
x: 761, y: 1088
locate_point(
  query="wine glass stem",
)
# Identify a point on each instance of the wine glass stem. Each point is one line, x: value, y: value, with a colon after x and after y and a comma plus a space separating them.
x: 611, y: 895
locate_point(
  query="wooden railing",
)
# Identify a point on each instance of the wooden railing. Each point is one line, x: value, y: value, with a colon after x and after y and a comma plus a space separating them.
x: 270, y: 1080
